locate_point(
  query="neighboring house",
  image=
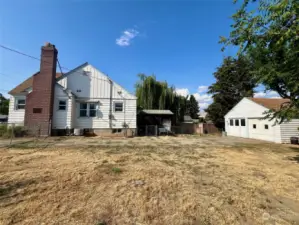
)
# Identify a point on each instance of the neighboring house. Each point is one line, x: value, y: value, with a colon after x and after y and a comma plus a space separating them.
x: 246, y: 120
x: 82, y: 98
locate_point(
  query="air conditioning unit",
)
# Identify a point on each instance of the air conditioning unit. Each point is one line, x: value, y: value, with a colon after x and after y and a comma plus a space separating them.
x: 78, y: 132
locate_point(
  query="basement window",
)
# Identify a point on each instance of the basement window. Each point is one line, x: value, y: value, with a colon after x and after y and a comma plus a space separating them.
x: 118, y: 106
x: 254, y: 126
x: 231, y: 123
x: 37, y: 110
x: 62, y: 105
x: 237, y: 123
x: 20, y: 104
x: 266, y: 126
x: 243, y: 124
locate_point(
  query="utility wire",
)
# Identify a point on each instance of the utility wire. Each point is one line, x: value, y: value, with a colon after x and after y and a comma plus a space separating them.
x: 61, y: 67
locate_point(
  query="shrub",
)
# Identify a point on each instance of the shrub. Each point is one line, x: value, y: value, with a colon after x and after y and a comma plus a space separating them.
x: 6, y: 131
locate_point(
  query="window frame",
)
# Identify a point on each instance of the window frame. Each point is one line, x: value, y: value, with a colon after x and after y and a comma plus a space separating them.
x: 88, y: 109
x: 63, y: 105
x: 237, y: 124
x: 17, y: 104
x: 114, y: 107
x: 266, y: 126
x: 254, y: 126
x: 231, y: 122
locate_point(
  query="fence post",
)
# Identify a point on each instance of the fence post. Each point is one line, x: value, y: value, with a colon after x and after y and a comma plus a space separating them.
x: 146, y: 130
x: 156, y: 133
x: 12, y: 133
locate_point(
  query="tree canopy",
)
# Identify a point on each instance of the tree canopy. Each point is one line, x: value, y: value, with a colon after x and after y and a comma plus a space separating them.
x: 153, y: 94
x: 267, y: 31
x: 233, y: 82
x: 4, y: 104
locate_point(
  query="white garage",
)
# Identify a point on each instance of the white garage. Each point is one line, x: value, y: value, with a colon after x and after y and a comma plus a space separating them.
x: 246, y: 120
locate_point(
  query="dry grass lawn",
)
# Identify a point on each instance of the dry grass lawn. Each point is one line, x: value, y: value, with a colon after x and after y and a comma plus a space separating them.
x: 143, y: 181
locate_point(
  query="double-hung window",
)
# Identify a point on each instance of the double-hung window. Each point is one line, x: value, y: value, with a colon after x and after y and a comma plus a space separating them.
x: 62, y: 105
x: 20, y: 104
x: 118, y: 107
x: 88, y: 109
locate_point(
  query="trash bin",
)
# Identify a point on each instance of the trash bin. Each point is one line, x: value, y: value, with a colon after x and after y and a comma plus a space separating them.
x: 294, y: 140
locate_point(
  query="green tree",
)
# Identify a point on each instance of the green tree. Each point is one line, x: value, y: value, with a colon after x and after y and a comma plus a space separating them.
x: 153, y: 94
x: 233, y: 82
x: 267, y: 32
x: 4, y: 104
x: 192, y: 107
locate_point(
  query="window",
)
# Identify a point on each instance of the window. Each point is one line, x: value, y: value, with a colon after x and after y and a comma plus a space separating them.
x: 37, y: 110
x: 118, y: 106
x: 243, y: 124
x: 20, y: 104
x: 237, y: 123
x: 83, y: 110
x: 92, y: 110
x: 88, y: 109
x: 231, y: 122
x: 62, y: 105
x: 254, y: 126
x: 266, y: 126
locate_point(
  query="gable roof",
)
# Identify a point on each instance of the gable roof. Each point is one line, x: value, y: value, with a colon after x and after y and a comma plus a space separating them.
x: 271, y: 103
x: 26, y: 84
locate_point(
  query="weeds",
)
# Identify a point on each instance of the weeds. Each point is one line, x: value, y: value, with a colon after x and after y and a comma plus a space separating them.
x: 116, y: 170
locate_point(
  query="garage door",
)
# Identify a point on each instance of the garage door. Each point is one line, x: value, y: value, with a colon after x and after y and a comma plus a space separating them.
x: 238, y: 127
x: 261, y: 129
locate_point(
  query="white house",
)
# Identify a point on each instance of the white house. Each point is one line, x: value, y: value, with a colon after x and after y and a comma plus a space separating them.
x: 83, y: 98
x: 246, y: 120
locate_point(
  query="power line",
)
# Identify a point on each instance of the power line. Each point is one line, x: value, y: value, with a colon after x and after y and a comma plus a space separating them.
x: 61, y: 67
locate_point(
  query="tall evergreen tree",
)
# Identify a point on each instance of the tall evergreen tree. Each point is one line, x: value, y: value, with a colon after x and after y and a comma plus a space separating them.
x: 4, y: 103
x: 192, y: 107
x: 233, y: 82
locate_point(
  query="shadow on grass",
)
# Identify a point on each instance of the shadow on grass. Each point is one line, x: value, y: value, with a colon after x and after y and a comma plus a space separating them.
x: 295, y: 158
x: 7, y: 189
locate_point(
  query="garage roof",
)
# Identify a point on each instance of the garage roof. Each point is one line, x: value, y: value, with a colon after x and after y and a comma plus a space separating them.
x: 271, y: 103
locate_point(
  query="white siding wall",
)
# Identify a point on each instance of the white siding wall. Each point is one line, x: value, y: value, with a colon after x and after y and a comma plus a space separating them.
x: 270, y: 134
x: 102, y: 118
x: 289, y: 129
x: 90, y: 85
x: 62, y: 118
x: 16, y: 115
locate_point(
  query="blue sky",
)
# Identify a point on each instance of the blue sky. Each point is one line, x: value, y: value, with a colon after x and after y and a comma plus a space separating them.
x: 175, y: 40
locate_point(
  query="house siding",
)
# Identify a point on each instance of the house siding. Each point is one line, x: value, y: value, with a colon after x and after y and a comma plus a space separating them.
x: 288, y: 130
x: 62, y: 118
x: 14, y: 115
x: 101, y: 121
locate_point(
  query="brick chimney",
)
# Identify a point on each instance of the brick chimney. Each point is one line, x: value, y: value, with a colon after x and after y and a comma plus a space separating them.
x: 39, y: 102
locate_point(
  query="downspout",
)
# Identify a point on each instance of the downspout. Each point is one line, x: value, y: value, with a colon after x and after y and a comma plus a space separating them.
x: 110, y: 104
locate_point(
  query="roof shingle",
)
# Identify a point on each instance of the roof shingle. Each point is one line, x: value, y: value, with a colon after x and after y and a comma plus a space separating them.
x: 26, y: 84
x: 271, y: 103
